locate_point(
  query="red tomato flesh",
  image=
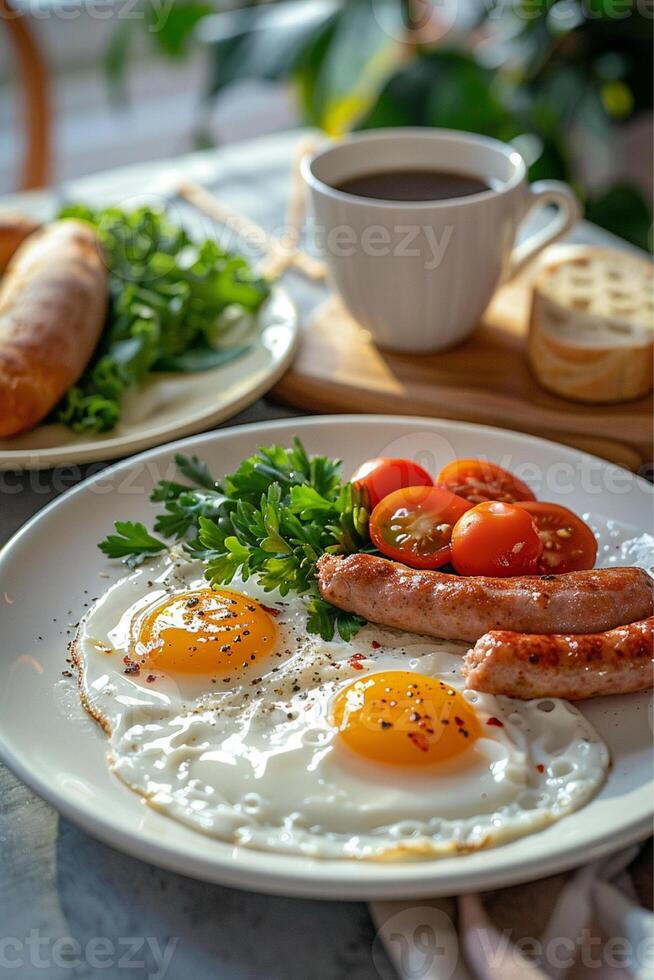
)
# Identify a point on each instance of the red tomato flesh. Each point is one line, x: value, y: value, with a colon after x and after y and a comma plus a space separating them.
x: 381, y: 476
x: 569, y: 545
x: 414, y: 525
x: 496, y: 539
x: 478, y: 481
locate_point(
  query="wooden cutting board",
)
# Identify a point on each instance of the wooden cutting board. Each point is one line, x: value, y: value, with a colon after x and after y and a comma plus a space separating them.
x: 339, y: 369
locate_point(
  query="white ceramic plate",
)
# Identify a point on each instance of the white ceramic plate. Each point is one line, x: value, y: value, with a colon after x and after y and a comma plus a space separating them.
x: 52, y: 568
x: 168, y: 406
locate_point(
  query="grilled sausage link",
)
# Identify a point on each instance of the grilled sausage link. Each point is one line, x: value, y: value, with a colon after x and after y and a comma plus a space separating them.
x: 53, y: 300
x: 619, y: 661
x: 460, y: 608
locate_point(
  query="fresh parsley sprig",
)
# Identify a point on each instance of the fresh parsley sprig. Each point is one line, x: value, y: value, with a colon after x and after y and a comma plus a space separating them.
x: 272, y: 518
x: 133, y: 542
x: 175, y: 305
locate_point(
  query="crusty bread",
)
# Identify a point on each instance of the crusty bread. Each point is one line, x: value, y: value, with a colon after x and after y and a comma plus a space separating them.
x: 14, y: 229
x: 53, y: 300
x: 592, y: 326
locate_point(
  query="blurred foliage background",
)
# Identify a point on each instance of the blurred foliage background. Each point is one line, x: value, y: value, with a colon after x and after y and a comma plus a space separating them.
x: 558, y: 78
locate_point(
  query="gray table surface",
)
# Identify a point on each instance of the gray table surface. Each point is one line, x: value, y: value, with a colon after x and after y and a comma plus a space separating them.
x: 73, y: 907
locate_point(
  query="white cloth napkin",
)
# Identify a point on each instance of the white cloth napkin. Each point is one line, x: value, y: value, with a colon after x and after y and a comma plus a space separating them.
x: 586, y: 925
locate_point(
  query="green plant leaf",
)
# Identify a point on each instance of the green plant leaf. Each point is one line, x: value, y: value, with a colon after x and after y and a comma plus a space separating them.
x: 199, y: 359
x: 167, y: 293
x: 172, y: 29
x: 116, y: 58
x: 133, y: 542
x: 279, y: 512
x: 463, y: 96
x: 361, y: 54
x: 623, y: 210
x: 403, y: 99
x: 263, y: 42
x: 196, y: 471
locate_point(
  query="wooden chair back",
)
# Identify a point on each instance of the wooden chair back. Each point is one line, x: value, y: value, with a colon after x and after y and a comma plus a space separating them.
x: 32, y: 78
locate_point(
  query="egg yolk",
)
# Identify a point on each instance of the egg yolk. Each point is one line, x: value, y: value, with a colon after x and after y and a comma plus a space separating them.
x: 404, y: 718
x: 204, y: 632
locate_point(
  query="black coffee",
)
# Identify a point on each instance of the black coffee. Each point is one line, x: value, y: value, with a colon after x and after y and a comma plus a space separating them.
x: 412, y: 185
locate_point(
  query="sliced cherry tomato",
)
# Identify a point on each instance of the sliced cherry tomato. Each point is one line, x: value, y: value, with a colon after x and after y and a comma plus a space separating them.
x: 478, y: 480
x: 495, y: 538
x: 414, y: 525
x: 384, y: 475
x: 569, y: 545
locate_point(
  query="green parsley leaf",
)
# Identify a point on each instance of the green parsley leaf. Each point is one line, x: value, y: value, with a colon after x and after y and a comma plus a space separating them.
x: 272, y: 518
x: 173, y: 306
x: 199, y: 359
x: 133, y: 542
x: 196, y: 471
x: 324, y: 619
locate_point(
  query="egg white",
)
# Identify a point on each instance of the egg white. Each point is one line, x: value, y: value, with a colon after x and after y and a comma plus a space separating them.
x: 255, y: 761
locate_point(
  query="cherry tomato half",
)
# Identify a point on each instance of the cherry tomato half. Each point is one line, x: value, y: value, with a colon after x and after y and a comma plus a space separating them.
x: 414, y: 525
x: 495, y: 538
x: 478, y: 480
x: 384, y: 475
x: 569, y: 545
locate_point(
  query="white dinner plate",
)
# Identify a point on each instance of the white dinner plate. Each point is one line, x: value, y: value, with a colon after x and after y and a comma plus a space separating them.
x: 170, y: 405
x: 52, y: 569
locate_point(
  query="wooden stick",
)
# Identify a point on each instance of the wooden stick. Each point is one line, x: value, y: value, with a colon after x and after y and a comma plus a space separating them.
x: 296, y: 210
x: 279, y: 257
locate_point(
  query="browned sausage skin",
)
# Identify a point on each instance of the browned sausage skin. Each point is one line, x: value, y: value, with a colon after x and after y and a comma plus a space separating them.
x: 53, y: 301
x: 458, y: 608
x: 620, y: 661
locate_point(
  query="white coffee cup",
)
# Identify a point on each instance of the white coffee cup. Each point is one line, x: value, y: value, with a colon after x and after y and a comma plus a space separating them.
x: 418, y: 275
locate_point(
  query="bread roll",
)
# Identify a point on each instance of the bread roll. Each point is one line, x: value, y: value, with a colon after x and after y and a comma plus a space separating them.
x: 14, y: 229
x: 53, y: 301
x: 592, y: 326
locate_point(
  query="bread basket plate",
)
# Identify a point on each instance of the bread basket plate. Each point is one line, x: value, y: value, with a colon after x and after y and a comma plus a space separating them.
x: 169, y: 406
x: 49, y: 742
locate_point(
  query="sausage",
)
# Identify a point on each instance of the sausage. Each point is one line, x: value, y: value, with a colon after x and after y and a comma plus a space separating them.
x: 53, y: 301
x: 460, y: 608
x: 619, y: 661
x: 14, y: 229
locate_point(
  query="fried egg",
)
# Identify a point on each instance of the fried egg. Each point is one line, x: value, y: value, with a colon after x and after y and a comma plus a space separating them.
x: 223, y: 712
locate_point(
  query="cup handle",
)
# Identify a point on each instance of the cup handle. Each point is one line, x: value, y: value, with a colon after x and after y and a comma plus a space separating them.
x: 568, y: 212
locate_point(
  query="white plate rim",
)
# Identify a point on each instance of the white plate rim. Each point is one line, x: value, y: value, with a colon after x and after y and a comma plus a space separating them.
x: 121, y: 447
x: 268, y: 873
